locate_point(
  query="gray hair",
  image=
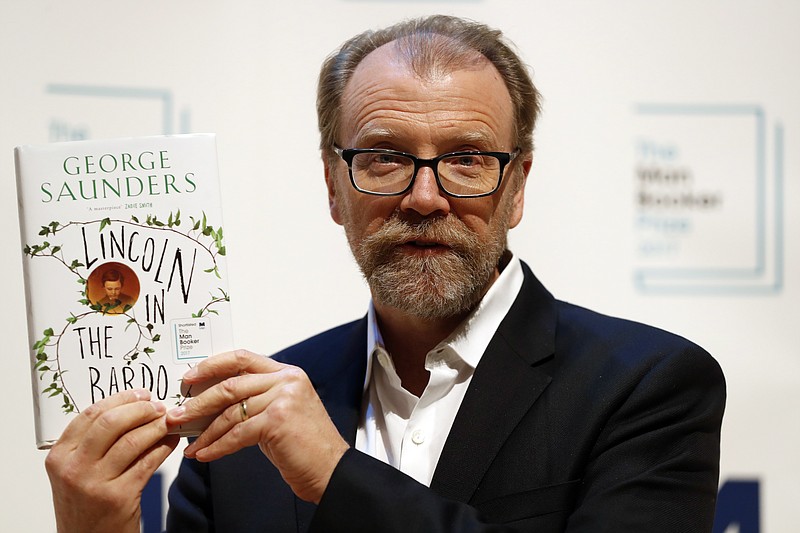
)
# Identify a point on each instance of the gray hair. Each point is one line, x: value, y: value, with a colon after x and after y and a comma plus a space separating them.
x: 430, y: 45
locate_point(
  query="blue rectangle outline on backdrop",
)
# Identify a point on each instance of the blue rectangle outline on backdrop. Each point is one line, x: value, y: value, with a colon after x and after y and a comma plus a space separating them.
x: 138, y: 93
x: 736, y: 274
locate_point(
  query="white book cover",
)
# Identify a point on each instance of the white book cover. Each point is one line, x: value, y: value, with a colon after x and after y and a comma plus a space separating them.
x: 124, y: 266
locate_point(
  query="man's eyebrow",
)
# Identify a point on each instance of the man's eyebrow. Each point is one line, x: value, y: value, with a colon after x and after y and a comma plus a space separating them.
x: 370, y: 136
x: 374, y: 135
x: 476, y: 136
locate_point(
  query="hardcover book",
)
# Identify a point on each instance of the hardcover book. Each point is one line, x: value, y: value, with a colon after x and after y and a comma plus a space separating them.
x: 124, y: 267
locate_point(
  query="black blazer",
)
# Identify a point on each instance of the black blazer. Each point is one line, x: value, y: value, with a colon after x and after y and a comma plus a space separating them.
x: 573, y: 421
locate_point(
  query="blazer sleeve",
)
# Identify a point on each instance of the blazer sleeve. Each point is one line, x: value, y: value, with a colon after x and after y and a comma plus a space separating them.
x: 190, y: 500
x: 653, y: 466
x: 366, y: 495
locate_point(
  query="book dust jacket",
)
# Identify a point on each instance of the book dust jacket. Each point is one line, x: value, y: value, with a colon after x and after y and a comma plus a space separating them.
x: 124, y: 265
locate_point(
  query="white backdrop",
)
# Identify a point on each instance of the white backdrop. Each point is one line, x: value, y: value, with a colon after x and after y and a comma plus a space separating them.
x: 669, y: 100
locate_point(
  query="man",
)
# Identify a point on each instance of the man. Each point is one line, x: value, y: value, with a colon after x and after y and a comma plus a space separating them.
x: 115, y: 301
x: 468, y: 399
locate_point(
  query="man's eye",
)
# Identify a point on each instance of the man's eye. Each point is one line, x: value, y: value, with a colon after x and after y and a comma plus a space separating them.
x: 386, y: 159
x: 380, y: 164
x: 464, y: 161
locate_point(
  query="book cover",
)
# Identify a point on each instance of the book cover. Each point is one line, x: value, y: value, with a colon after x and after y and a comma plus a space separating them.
x: 124, y: 267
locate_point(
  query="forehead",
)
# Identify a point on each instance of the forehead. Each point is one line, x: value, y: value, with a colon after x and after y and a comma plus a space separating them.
x: 386, y: 100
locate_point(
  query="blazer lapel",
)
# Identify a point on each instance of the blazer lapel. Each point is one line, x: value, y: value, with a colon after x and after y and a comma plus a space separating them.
x: 505, y: 385
x: 342, y: 390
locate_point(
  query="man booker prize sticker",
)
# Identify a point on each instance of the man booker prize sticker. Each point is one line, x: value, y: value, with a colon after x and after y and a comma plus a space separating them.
x: 191, y: 339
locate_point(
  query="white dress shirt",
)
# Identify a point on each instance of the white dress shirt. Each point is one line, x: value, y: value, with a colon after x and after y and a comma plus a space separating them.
x: 409, y: 432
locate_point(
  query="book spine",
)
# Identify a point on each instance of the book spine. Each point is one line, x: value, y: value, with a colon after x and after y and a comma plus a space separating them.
x: 41, y: 442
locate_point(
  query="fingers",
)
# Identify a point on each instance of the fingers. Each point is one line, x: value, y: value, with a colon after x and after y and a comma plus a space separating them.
x: 224, y: 380
x: 124, y: 426
x: 130, y: 447
x: 218, y: 397
x: 147, y: 464
x: 231, y: 364
x: 269, y: 397
x: 224, y: 440
x: 219, y: 380
x: 101, y: 464
x: 76, y: 430
x: 285, y: 418
x: 230, y: 432
x: 114, y: 431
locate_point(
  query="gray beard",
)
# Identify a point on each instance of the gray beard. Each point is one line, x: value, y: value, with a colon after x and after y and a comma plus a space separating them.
x: 436, y: 286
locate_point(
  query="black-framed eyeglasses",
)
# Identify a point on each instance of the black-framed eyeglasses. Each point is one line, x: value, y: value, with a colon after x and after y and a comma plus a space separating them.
x: 458, y: 174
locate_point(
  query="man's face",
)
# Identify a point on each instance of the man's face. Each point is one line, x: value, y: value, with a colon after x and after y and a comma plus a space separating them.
x: 423, y: 252
x: 113, y: 289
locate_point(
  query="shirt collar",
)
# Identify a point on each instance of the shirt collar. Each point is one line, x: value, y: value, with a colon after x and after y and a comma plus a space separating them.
x: 470, y: 339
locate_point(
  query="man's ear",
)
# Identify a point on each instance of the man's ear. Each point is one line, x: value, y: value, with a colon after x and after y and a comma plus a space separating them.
x: 518, y: 202
x: 330, y: 183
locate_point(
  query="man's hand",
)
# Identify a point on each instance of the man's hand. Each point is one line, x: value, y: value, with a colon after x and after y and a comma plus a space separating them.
x: 103, y: 460
x: 283, y: 416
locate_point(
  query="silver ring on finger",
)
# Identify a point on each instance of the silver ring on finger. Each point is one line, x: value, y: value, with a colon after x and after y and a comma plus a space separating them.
x: 243, y: 410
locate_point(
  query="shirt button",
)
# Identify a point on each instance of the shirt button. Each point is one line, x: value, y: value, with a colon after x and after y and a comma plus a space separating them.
x: 418, y: 436
x: 383, y: 359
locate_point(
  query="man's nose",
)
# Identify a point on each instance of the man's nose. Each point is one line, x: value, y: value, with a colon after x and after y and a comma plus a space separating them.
x: 425, y: 198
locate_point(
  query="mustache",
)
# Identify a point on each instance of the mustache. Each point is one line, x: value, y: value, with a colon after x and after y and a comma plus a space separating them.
x: 449, y: 231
